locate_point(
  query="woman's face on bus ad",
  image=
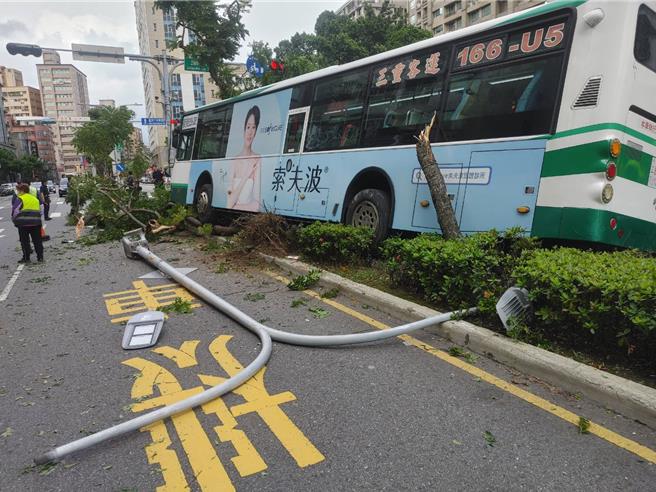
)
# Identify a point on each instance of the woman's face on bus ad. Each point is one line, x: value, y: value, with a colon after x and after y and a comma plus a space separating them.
x: 249, y: 130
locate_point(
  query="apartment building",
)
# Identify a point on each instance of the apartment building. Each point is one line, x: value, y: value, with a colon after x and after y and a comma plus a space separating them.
x: 22, y: 101
x: 10, y: 77
x: 189, y: 89
x: 440, y: 16
x: 32, y: 137
x: 65, y: 97
x: 355, y: 8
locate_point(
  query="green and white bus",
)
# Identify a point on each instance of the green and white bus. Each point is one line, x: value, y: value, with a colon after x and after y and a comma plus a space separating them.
x: 546, y: 121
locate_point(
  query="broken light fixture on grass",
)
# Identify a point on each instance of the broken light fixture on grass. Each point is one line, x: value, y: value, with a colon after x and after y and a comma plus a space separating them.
x: 514, y: 304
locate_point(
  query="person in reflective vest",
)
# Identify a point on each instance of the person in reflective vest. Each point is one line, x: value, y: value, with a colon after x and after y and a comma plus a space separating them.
x: 26, y: 215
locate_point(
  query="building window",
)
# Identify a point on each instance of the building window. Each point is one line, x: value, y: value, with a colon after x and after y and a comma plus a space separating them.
x: 156, y: 43
x: 438, y: 29
x: 453, y: 25
x: 437, y: 13
x: 502, y: 6
x: 154, y: 26
x: 477, y: 14
x: 451, y: 8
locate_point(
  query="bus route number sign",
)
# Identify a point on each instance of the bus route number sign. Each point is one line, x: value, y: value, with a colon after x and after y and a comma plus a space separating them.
x: 518, y: 44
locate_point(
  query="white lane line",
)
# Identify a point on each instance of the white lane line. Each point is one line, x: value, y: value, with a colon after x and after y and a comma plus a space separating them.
x: 10, y: 284
x: 60, y: 202
x: 54, y: 215
x: 2, y: 230
x: 2, y: 207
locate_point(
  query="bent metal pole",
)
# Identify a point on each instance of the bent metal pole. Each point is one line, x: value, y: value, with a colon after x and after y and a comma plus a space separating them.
x: 265, y: 333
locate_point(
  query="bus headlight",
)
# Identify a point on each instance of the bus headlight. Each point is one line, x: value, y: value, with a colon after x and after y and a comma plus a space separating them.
x: 607, y: 193
x: 615, y: 147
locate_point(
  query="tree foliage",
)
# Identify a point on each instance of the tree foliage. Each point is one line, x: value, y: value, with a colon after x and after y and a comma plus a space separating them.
x: 96, y: 139
x: 27, y: 167
x: 339, y: 39
x: 216, y: 31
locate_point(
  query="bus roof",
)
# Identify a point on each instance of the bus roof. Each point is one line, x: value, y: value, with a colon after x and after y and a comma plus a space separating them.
x: 549, y: 6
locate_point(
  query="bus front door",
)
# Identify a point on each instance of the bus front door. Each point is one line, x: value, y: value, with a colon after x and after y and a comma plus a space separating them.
x: 285, y: 177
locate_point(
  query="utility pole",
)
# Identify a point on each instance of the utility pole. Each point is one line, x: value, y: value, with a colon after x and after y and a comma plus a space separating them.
x: 115, y: 54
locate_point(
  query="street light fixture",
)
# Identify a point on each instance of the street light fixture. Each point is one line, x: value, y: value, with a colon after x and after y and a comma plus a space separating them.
x: 112, y: 54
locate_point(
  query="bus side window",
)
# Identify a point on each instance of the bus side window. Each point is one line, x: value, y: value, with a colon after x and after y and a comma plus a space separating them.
x: 183, y: 152
x: 644, y: 48
x: 212, y: 134
x: 336, y: 115
x: 400, y: 105
x: 508, y: 101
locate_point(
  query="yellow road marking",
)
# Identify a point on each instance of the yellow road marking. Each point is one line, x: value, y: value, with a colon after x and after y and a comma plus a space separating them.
x: 206, y: 465
x: 144, y: 298
x: 265, y: 405
x: 598, y: 430
x: 158, y: 453
x: 183, y: 357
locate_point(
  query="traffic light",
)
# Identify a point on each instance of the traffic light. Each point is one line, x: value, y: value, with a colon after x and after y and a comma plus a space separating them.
x: 24, y: 49
x: 277, y: 66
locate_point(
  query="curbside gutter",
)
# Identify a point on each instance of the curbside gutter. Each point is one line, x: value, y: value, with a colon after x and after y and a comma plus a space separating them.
x: 628, y: 398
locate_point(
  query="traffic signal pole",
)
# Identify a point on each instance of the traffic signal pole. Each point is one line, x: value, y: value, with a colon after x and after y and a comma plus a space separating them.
x: 112, y: 54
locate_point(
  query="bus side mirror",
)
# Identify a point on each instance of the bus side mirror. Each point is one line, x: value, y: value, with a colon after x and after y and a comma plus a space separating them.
x: 175, y: 138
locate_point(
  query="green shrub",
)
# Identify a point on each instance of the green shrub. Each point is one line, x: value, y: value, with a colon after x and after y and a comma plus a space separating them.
x: 459, y: 273
x: 335, y: 243
x: 602, y: 297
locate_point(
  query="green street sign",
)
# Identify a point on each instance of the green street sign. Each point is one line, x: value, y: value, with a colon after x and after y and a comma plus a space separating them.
x: 193, y: 66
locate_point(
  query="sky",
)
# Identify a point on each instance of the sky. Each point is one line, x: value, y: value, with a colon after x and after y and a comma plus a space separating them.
x: 57, y: 24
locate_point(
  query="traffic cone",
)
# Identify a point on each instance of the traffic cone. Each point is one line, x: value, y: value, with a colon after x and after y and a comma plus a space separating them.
x: 44, y: 236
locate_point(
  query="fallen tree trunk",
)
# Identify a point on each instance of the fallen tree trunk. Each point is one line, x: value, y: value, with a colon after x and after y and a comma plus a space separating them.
x: 446, y: 217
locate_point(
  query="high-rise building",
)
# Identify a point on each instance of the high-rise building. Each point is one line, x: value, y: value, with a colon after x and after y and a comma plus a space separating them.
x: 110, y: 103
x: 65, y: 98
x: 133, y: 145
x: 32, y: 137
x: 10, y: 77
x: 356, y: 8
x: 22, y: 101
x: 4, y: 136
x: 440, y: 16
x: 189, y: 89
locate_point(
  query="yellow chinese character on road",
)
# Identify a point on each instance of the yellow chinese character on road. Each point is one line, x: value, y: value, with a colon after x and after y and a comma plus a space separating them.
x: 156, y: 386
x: 144, y: 298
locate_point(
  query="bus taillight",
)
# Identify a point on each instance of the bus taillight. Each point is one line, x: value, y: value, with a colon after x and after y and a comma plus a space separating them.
x: 611, y: 171
x: 613, y: 223
x: 615, y: 147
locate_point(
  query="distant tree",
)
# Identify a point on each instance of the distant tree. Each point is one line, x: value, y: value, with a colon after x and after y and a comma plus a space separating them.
x: 31, y: 168
x: 216, y: 31
x: 97, y: 138
x: 8, y: 165
x: 339, y: 39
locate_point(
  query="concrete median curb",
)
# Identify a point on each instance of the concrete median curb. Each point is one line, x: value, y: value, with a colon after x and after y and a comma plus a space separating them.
x: 626, y: 397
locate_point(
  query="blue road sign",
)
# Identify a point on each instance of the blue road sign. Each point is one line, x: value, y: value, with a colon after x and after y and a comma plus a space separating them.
x: 252, y: 66
x: 120, y: 167
x: 153, y: 121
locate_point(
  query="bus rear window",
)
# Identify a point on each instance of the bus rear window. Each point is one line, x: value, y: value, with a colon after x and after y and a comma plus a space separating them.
x: 508, y: 101
x: 644, y: 48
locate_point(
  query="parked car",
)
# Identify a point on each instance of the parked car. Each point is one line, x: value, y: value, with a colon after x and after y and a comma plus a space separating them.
x: 63, y: 187
x: 6, y: 189
x: 51, y: 186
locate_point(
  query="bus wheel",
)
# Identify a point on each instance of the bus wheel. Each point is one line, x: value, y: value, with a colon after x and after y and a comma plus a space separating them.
x: 204, y: 204
x: 370, y: 208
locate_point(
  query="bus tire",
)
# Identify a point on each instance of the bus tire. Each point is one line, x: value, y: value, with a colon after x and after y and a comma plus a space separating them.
x: 370, y: 208
x: 203, y: 204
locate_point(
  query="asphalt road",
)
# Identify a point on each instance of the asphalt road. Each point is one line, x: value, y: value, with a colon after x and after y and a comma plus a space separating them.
x: 384, y: 416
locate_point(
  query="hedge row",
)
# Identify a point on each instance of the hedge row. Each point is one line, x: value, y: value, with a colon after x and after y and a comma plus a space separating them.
x: 603, y: 298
